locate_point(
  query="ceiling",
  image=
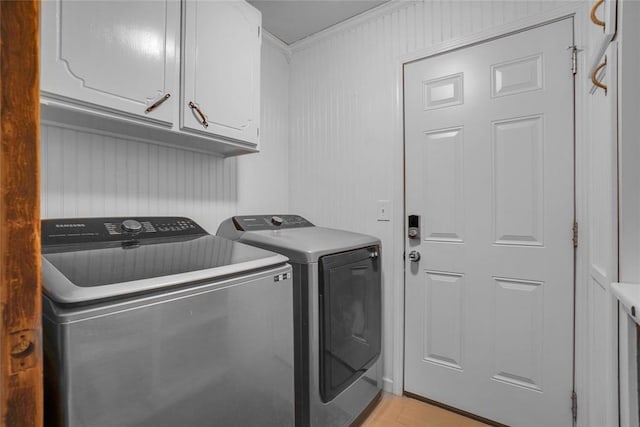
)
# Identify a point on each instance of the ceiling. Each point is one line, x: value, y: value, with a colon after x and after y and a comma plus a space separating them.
x: 293, y: 20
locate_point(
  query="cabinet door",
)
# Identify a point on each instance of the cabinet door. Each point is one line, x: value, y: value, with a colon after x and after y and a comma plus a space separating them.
x: 221, y: 74
x: 115, y: 56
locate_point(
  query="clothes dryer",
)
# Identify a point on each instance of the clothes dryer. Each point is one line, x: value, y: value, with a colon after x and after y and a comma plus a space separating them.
x: 338, y: 313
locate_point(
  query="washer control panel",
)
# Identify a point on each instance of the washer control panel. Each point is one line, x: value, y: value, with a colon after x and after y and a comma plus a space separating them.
x: 269, y: 222
x: 83, y: 230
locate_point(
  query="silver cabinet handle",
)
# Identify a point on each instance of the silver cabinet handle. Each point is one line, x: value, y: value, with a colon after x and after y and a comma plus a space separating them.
x: 203, y: 119
x: 157, y: 103
x: 414, y: 256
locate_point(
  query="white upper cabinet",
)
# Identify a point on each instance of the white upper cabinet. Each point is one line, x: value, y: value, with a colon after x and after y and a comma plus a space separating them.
x: 113, y: 56
x: 117, y: 67
x: 221, y: 69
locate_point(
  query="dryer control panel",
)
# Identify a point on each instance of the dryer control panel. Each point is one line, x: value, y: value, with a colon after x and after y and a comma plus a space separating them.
x: 269, y: 222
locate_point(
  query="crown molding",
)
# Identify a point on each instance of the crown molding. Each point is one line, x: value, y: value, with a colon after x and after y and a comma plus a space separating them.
x: 277, y: 43
x: 347, y: 24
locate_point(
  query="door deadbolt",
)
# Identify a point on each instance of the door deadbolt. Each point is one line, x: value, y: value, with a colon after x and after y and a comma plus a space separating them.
x: 414, y: 227
x: 414, y: 256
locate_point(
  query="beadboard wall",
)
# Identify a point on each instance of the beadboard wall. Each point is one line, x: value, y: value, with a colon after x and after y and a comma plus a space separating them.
x: 85, y: 174
x: 345, y: 116
x: 263, y: 178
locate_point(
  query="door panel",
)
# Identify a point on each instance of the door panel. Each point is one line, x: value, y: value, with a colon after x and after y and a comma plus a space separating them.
x: 518, y: 312
x: 516, y: 76
x: 489, y: 169
x: 517, y: 160
x: 441, y: 153
x: 443, y: 321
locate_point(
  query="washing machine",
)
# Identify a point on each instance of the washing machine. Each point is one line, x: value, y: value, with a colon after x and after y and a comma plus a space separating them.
x: 338, y: 312
x: 154, y: 322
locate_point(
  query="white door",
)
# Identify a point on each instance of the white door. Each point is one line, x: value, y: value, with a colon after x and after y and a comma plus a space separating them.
x: 117, y: 56
x: 221, y: 69
x: 489, y: 170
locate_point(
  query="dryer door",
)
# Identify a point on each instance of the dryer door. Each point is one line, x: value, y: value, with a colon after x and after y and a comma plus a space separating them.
x: 350, y: 318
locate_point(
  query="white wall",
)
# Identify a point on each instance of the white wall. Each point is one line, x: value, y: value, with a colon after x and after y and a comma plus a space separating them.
x: 85, y: 174
x: 345, y: 116
x: 263, y: 185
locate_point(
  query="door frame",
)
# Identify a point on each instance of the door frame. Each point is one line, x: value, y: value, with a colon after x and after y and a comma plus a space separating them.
x: 579, y: 12
x: 21, y: 395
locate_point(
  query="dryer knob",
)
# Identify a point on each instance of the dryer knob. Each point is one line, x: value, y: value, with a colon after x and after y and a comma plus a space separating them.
x: 276, y: 220
x: 131, y: 226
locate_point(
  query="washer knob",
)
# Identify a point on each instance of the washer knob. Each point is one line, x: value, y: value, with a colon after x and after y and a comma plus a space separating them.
x: 131, y: 226
x: 276, y: 220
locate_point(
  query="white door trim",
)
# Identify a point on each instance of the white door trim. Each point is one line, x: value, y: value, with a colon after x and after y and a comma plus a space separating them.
x: 543, y: 18
x: 580, y: 13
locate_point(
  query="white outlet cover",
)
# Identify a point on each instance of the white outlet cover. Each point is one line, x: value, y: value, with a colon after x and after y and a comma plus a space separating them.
x: 384, y: 210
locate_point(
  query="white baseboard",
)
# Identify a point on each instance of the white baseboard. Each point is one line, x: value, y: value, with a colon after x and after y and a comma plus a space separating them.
x: 387, y: 385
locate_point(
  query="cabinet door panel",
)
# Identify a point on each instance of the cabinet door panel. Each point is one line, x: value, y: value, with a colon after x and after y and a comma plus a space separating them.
x: 222, y: 69
x: 112, y: 55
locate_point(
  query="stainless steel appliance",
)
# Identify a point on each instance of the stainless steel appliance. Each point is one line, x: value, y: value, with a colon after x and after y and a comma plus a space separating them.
x: 154, y: 322
x: 337, y: 300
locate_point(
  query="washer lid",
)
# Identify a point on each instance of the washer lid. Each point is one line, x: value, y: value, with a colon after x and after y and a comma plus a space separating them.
x: 306, y: 245
x: 86, y: 272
